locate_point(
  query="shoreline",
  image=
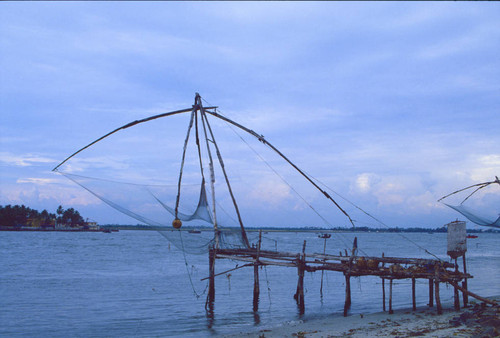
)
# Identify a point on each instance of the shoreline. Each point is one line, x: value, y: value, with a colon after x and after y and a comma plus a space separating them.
x: 478, y: 319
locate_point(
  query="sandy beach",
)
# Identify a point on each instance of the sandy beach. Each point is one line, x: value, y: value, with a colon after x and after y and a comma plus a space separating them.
x: 477, y: 320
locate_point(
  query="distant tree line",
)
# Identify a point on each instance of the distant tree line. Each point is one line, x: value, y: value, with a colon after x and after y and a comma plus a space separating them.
x: 20, y: 215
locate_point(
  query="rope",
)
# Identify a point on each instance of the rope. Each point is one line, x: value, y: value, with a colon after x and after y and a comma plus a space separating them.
x: 342, y: 239
x: 345, y: 199
x: 187, y: 270
x: 377, y: 220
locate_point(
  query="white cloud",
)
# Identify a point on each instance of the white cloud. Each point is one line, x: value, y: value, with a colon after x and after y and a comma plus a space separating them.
x: 270, y: 192
x: 25, y: 160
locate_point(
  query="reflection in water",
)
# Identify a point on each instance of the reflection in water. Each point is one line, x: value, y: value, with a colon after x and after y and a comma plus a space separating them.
x: 209, y: 310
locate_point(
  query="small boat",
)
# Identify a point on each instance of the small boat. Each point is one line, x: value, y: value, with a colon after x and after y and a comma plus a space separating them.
x: 194, y: 231
x: 471, y: 236
x: 325, y: 236
x: 107, y: 231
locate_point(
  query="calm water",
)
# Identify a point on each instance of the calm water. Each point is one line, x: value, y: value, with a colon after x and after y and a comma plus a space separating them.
x: 132, y: 283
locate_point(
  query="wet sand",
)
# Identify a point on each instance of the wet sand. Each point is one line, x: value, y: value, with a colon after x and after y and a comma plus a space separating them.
x: 478, y: 319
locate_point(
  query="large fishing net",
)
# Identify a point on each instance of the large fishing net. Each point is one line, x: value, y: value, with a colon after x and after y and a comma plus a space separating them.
x: 483, y: 195
x: 195, y: 185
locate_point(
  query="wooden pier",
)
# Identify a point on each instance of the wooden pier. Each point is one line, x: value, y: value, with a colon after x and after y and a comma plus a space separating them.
x: 434, y: 271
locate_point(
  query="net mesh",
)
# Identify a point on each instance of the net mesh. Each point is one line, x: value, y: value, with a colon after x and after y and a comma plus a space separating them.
x: 162, y: 151
x: 478, y: 203
x: 152, y: 205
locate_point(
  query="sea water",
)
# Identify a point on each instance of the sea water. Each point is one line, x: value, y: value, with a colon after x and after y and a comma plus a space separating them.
x: 135, y: 284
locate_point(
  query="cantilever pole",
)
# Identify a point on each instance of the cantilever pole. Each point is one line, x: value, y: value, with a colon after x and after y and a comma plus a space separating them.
x: 128, y: 125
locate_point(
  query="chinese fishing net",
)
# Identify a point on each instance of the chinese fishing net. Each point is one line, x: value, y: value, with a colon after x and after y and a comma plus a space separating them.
x: 189, y: 181
x: 482, y: 195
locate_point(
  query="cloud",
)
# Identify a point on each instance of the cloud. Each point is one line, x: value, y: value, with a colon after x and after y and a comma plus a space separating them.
x: 25, y: 160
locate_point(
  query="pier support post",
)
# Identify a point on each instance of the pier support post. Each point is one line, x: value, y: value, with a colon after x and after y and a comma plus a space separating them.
x: 256, y: 287
x: 322, y: 272
x: 383, y: 294
x: 383, y: 287
x: 456, y: 296
x: 347, y: 304
x: 464, y: 284
x: 209, y: 305
x: 390, y: 297
x: 299, y: 295
x: 414, y: 303
x: 436, y: 291
x: 431, y: 293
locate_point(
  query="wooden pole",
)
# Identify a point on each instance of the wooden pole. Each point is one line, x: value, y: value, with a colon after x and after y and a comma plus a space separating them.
x: 211, y: 279
x: 413, y: 294
x: 464, y: 283
x: 256, y: 287
x: 322, y: 271
x: 299, y: 294
x: 390, y: 297
x: 482, y: 299
x: 436, y: 291
x: 383, y: 288
x: 456, y: 296
x: 347, y: 303
x: 431, y: 293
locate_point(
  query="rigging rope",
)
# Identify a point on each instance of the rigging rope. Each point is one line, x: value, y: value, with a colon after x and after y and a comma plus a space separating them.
x: 376, y: 219
x: 187, y: 270
x: 342, y: 239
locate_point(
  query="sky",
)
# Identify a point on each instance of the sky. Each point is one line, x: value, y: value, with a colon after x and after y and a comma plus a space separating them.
x: 391, y: 104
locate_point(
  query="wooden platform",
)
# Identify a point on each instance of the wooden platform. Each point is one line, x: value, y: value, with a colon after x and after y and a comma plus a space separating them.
x: 435, y: 271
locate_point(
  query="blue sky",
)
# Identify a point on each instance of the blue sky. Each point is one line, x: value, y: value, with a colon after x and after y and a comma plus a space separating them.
x: 393, y: 105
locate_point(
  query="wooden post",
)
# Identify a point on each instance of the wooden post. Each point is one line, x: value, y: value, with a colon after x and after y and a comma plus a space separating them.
x: 464, y: 284
x: 436, y: 291
x: 256, y: 287
x: 347, y: 274
x: 211, y: 279
x: 383, y: 287
x: 299, y: 295
x: 390, y: 297
x: 347, y: 303
x: 322, y: 271
x: 413, y: 294
x: 431, y: 293
x: 456, y: 296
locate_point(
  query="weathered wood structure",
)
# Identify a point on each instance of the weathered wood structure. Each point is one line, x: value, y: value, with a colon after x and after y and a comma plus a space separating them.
x: 387, y: 268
